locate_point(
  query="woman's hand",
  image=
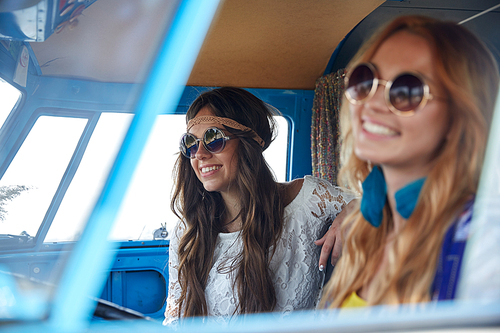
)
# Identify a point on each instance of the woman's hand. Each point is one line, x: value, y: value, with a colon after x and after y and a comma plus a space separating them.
x: 331, y: 242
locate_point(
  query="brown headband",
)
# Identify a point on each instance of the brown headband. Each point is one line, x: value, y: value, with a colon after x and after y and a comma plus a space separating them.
x: 225, y: 121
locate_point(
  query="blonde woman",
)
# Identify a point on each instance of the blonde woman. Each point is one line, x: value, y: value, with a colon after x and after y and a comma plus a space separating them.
x: 420, y: 98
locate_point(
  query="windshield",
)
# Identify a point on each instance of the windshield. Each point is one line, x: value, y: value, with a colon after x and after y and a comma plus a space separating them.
x: 53, y: 147
x: 83, y: 85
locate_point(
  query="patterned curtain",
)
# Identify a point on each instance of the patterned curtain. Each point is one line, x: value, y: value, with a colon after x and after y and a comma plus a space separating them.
x: 325, y: 131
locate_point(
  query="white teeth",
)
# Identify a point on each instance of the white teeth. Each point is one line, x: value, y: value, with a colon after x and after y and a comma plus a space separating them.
x: 208, y: 169
x: 378, y: 129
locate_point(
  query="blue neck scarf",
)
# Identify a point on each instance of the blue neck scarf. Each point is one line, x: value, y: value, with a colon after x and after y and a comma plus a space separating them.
x: 375, y: 197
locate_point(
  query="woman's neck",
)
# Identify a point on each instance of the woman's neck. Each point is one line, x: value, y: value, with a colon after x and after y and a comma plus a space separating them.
x: 395, y: 180
x: 232, y: 222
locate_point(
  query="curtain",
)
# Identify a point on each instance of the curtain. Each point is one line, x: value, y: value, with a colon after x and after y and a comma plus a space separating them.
x: 325, y: 131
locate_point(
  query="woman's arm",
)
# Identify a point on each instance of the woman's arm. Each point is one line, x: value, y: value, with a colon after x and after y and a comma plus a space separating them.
x: 331, y: 242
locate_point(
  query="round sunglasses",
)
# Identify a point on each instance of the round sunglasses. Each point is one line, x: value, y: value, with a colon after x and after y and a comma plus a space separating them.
x: 214, y: 141
x: 404, y: 94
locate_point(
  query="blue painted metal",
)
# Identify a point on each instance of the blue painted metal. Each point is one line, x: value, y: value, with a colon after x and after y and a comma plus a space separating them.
x: 84, y: 274
x: 296, y: 105
x: 34, y: 65
x: 35, y: 21
x: 142, y: 290
x: 7, y: 64
x: 138, y: 278
x: 26, y: 24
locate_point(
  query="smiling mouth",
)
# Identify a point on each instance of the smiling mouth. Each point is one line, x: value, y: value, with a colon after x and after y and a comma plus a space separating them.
x: 211, y: 168
x: 378, y: 129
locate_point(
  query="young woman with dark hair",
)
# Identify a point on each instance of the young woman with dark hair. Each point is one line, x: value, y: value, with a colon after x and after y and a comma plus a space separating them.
x: 244, y: 243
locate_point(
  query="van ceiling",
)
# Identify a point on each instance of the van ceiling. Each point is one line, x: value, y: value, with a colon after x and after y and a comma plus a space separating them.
x: 275, y: 44
x: 253, y: 44
x: 284, y: 44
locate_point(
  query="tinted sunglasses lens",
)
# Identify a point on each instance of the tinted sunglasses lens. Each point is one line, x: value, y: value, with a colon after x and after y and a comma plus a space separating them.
x: 189, y: 145
x: 214, y: 140
x: 360, y: 83
x: 406, y: 92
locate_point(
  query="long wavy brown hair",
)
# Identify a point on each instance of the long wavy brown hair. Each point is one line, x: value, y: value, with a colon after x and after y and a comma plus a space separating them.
x: 203, y: 212
x: 469, y: 75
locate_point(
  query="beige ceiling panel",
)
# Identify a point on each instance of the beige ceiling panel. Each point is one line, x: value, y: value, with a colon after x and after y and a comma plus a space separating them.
x: 275, y: 44
x: 252, y: 43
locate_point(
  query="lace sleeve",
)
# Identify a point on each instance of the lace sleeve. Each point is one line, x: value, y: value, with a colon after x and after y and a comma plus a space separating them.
x: 172, y: 311
x: 342, y: 197
x: 295, y: 263
x: 330, y: 200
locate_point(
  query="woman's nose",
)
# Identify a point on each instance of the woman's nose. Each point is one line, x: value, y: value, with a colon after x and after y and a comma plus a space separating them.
x: 202, y: 153
x: 377, y: 102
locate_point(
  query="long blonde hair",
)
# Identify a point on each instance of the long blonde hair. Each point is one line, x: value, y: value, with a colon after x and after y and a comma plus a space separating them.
x: 469, y: 75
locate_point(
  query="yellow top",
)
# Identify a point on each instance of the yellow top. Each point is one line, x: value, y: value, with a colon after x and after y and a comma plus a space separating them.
x: 353, y: 301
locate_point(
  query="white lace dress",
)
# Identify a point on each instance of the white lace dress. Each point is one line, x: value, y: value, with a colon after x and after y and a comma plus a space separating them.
x: 297, y: 279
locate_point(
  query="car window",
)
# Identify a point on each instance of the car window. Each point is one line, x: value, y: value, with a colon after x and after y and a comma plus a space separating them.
x: 34, y: 174
x: 146, y: 206
x: 10, y: 97
x: 89, y: 178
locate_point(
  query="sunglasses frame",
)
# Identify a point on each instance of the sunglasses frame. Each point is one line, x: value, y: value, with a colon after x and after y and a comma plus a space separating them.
x: 388, y: 84
x: 205, y: 145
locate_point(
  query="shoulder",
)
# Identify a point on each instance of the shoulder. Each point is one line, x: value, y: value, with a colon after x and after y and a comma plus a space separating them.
x: 306, y: 185
x: 316, y: 191
x: 302, y: 189
x: 327, y: 192
x: 319, y: 197
x: 315, y: 182
x: 292, y: 190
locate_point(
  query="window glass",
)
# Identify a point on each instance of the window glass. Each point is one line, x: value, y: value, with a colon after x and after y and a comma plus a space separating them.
x: 30, y: 182
x: 146, y: 206
x: 9, y: 96
x: 277, y: 153
x: 89, y: 179
x: 147, y: 203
